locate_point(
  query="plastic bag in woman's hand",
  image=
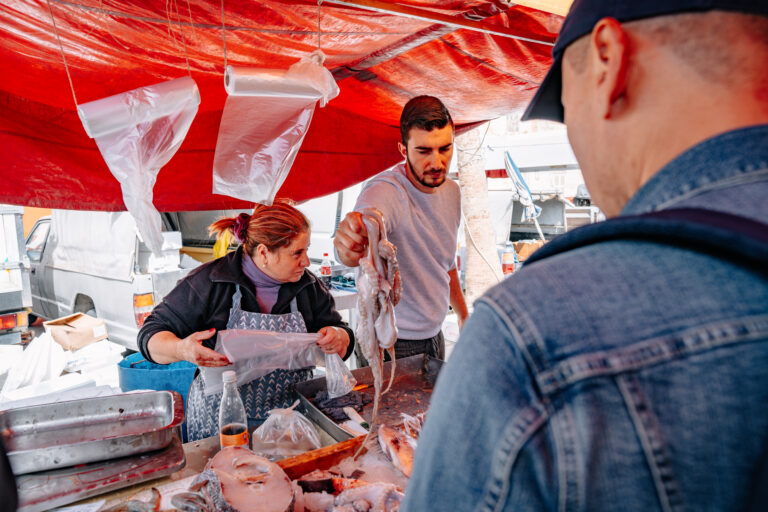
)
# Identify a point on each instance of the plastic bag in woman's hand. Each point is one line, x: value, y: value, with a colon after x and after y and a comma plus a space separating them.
x: 338, y: 378
x: 254, y: 354
x: 285, y: 433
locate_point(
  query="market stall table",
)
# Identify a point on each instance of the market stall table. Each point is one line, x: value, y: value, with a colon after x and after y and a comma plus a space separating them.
x: 197, y: 455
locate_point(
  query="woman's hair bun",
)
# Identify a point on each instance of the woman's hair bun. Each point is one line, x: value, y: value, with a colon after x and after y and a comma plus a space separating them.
x: 240, y: 228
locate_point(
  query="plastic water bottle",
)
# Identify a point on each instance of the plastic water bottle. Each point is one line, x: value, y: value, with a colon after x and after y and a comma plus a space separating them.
x: 233, y: 424
x: 508, y: 259
x: 325, y: 270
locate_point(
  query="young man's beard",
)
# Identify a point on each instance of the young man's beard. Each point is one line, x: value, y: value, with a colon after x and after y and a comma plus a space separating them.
x: 421, y: 179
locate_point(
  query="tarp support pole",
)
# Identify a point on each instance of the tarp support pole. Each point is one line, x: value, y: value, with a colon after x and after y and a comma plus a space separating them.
x: 434, y: 17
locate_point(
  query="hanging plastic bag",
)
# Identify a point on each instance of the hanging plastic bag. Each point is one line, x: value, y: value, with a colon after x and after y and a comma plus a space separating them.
x: 265, y: 119
x: 338, y: 378
x: 285, y: 433
x: 138, y: 132
x: 257, y: 353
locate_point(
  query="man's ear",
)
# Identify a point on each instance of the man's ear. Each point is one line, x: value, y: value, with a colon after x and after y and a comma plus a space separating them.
x: 402, y: 149
x: 610, y: 49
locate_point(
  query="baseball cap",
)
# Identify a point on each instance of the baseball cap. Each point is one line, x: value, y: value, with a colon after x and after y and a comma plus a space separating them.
x: 582, y: 17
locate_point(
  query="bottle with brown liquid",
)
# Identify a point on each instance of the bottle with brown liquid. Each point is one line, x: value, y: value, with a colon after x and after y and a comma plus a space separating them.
x: 233, y: 423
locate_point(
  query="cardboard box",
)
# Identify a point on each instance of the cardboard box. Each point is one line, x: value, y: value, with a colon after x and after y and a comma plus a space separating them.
x: 525, y: 249
x: 76, y: 331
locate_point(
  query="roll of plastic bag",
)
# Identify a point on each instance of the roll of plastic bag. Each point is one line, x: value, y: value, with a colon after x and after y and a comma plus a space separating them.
x: 138, y: 132
x: 256, y: 353
x: 239, y: 81
x: 265, y: 119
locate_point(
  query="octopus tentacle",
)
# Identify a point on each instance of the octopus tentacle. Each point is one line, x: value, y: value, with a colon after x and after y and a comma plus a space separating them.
x: 379, y: 290
x: 391, y: 351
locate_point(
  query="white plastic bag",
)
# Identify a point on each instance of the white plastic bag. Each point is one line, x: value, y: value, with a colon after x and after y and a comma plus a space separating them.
x: 9, y: 356
x: 42, y: 360
x: 338, y: 378
x: 265, y: 119
x: 94, y: 356
x: 285, y: 433
x: 257, y: 353
x: 138, y: 132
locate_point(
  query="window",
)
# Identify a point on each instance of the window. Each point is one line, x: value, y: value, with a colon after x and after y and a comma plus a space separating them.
x: 36, y: 241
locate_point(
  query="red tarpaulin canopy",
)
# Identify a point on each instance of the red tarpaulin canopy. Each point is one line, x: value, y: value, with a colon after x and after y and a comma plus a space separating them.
x: 379, y: 60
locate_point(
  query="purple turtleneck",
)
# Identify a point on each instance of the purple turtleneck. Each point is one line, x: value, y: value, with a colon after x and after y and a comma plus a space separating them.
x: 266, y: 287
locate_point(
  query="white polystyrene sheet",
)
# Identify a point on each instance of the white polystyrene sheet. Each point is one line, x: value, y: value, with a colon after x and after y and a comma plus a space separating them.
x: 138, y: 132
x: 265, y: 119
x: 100, y: 243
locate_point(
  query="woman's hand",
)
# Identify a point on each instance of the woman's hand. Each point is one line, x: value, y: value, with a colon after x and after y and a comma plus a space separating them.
x: 334, y: 340
x: 191, y: 349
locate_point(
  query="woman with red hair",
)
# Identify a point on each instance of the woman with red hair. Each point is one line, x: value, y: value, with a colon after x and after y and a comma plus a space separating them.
x: 264, y: 285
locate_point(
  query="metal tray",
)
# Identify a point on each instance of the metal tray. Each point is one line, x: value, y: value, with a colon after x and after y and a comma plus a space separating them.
x: 50, y: 489
x: 51, y: 436
x: 411, y: 391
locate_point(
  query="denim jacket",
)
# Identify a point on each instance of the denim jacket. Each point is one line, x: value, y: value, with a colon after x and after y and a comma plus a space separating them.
x: 623, y: 375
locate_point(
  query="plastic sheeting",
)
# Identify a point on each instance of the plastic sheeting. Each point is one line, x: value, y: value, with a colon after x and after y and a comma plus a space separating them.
x: 105, y: 244
x: 378, y: 60
x: 138, y: 132
x: 42, y: 360
x: 264, y: 122
x: 98, y: 243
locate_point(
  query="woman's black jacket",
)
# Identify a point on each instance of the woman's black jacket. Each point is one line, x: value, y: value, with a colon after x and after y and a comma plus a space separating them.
x: 202, y: 300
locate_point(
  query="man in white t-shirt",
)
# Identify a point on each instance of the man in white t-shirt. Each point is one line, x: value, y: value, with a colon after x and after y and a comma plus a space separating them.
x: 422, y: 212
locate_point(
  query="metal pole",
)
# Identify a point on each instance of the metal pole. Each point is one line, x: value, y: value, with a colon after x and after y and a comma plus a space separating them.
x: 434, y: 17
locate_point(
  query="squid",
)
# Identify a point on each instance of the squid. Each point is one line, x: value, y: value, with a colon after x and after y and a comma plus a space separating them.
x: 379, y: 290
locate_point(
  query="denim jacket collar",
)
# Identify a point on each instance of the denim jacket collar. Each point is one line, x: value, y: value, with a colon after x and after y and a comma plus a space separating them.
x: 721, y: 160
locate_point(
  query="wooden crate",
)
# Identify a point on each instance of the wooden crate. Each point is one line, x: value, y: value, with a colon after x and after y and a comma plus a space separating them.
x: 322, y: 458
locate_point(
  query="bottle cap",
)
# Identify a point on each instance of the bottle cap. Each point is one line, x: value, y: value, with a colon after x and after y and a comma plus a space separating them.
x: 229, y: 376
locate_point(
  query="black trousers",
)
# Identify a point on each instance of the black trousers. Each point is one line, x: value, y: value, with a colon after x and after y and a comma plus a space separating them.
x: 434, y: 347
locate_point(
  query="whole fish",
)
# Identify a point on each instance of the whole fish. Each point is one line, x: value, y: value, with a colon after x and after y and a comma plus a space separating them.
x: 398, y: 447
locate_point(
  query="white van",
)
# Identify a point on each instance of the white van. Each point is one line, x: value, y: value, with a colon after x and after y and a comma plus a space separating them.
x: 96, y: 263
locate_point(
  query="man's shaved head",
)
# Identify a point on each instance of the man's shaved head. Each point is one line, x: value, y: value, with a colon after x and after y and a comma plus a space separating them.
x: 696, y: 39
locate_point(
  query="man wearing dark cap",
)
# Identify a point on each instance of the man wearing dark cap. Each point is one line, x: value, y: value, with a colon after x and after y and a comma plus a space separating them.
x: 625, y: 367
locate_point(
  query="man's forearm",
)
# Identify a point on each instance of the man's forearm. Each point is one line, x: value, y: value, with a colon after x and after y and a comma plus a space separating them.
x: 456, y: 297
